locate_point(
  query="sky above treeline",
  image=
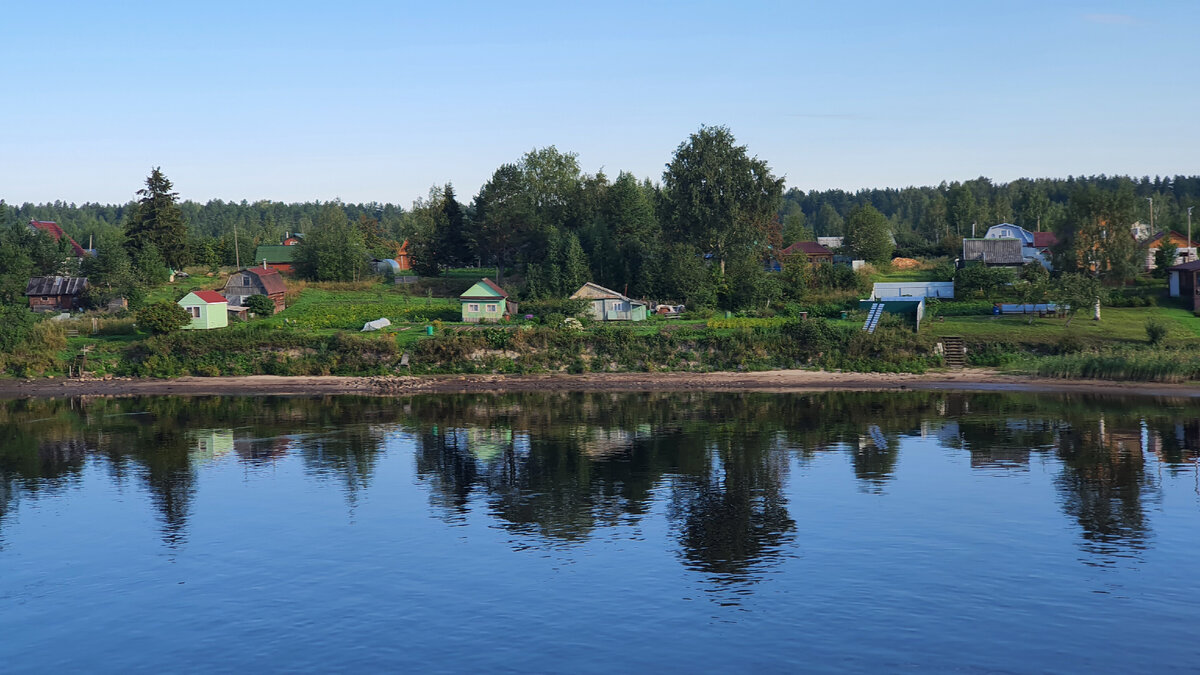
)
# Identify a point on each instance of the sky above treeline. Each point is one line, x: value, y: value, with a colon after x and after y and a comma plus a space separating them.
x: 377, y: 101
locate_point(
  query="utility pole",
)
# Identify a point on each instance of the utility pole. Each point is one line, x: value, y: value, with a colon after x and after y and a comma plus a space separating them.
x: 237, y: 256
x: 1151, y: 200
x: 1190, y: 226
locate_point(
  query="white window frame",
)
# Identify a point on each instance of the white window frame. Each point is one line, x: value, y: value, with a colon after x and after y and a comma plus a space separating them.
x: 491, y: 308
x: 194, y: 311
x: 473, y: 307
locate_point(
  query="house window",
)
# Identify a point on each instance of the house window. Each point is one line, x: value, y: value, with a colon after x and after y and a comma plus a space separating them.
x: 194, y: 311
x: 246, y: 280
x: 492, y: 308
x: 473, y: 307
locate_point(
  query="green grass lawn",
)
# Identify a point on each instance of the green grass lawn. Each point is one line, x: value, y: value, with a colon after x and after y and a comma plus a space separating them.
x: 1121, y: 325
x: 180, y: 287
x: 349, y: 310
x: 471, y: 272
x: 905, y: 275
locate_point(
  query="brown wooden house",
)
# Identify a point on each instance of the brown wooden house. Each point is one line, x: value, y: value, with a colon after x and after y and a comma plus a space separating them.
x: 1184, y: 283
x: 254, y: 281
x: 55, y: 294
x: 816, y: 253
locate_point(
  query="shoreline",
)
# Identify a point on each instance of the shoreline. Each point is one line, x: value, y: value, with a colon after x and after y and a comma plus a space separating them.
x: 774, y: 381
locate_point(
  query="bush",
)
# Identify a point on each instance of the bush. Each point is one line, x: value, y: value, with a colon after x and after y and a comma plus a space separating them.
x: 163, y: 317
x: 15, y: 324
x: 1156, y: 331
x: 261, y: 305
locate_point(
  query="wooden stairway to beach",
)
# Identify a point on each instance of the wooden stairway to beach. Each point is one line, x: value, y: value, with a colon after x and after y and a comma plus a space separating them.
x: 956, y: 352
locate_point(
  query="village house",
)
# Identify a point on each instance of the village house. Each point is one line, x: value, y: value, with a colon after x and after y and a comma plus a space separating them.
x: 254, y: 281
x: 208, y: 309
x: 292, y: 238
x: 1183, y: 281
x: 816, y: 252
x: 1034, y: 245
x: 485, y: 301
x: 609, y: 305
x: 278, y: 258
x: 55, y: 294
x: 1185, y: 250
x: 56, y: 233
x: 992, y: 252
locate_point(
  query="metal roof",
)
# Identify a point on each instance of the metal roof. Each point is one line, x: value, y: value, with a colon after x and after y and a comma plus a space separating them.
x: 55, y: 285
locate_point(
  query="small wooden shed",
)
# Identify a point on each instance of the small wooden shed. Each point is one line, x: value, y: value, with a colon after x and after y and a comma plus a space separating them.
x: 55, y: 294
x: 255, y: 281
x: 208, y: 309
x: 484, y: 301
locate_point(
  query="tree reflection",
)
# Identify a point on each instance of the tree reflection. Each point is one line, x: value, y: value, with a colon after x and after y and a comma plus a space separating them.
x: 732, y: 516
x: 1103, y: 484
x: 559, y: 468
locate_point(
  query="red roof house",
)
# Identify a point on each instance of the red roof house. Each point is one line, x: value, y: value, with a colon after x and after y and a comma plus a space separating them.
x: 51, y: 228
x: 816, y: 253
x: 209, y: 296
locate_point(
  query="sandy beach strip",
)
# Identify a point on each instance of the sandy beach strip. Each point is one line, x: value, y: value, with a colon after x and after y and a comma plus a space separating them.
x: 765, y: 381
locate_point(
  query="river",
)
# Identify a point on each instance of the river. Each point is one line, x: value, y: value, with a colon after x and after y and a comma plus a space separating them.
x: 841, y: 531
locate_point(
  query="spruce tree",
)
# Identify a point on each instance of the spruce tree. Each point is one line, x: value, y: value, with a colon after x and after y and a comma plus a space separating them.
x: 157, y: 220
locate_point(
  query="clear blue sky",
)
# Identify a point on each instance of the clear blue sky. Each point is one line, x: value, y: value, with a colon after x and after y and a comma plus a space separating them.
x: 376, y: 101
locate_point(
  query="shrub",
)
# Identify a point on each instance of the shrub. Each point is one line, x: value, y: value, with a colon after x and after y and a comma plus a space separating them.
x: 1156, y: 331
x: 15, y: 324
x: 163, y: 317
x: 260, y: 305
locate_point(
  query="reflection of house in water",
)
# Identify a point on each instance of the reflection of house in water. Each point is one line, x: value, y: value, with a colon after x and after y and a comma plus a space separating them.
x: 263, y: 450
x: 488, y: 443
x: 208, y: 444
x: 599, y: 442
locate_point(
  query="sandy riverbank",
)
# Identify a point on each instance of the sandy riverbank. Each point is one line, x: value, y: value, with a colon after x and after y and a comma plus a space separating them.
x: 769, y: 381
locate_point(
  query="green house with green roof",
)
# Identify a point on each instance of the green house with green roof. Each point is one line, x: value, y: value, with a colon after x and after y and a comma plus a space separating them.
x: 276, y: 257
x: 485, y: 301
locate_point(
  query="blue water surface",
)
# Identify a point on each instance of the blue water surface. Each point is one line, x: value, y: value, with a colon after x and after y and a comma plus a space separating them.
x: 864, y: 532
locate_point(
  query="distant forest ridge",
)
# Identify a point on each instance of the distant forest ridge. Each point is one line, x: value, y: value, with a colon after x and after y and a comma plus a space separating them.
x: 918, y: 215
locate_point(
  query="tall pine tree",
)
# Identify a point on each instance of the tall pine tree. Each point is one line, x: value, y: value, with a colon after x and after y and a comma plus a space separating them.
x: 158, y: 220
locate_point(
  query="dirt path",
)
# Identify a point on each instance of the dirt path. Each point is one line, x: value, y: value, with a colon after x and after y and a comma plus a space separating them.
x: 770, y: 381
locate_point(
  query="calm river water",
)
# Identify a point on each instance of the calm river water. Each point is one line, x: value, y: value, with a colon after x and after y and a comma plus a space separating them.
x: 925, y: 531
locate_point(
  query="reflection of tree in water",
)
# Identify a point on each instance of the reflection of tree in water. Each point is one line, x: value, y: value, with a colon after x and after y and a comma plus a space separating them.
x: 732, y: 516
x: 561, y: 466
x: 45, y: 445
x: 1103, y: 484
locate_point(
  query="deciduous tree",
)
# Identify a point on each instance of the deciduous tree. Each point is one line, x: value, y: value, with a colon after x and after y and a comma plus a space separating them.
x: 718, y: 197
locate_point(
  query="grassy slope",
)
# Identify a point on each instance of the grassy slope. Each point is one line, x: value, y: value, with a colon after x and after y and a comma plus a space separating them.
x: 1118, y: 326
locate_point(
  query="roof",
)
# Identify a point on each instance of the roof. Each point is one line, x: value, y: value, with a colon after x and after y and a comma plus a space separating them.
x: 993, y: 251
x: 274, y: 254
x: 272, y: 282
x: 1185, y: 267
x: 55, y: 285
x: 481, y: 289
x: 807, y: 248
x: 209, y: 296
x: 1164, y: 233
x: 1044, y: 239
x: 51, y: 228
x: 590, y: 291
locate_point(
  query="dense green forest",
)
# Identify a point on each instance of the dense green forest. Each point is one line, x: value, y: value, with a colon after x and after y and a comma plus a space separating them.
x: 699, y: 235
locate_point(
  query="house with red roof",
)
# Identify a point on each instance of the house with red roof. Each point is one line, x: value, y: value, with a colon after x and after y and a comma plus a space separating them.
x: 56, y: 233
x: 208, y: 309
x: 250, y: 281
x: 816, y: 253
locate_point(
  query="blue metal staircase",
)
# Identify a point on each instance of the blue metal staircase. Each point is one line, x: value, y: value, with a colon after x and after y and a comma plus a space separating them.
x: 873, y: 315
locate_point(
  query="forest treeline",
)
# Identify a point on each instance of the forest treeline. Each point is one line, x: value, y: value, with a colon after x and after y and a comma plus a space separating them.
x: 700, y: 235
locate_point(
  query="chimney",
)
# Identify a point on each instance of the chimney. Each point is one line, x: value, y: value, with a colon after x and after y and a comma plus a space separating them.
x: 264, y: 263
